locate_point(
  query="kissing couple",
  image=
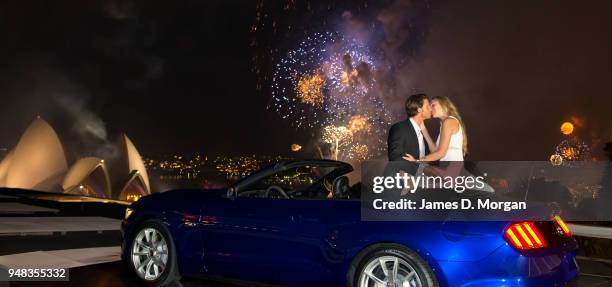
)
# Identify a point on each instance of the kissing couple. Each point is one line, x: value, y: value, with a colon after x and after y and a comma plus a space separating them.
x: 409, y: 139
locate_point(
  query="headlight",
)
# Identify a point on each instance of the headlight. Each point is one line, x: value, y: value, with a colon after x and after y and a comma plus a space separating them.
x: 128, y: 212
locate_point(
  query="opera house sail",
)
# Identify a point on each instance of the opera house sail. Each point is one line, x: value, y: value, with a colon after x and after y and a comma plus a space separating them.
x: 136, y: 184
x: 38, y: 163
x: 89, y: 177
x: 4, y: 166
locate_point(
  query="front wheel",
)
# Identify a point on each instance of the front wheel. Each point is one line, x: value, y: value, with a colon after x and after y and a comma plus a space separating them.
x: 152, y: 254
x: 391, y: 265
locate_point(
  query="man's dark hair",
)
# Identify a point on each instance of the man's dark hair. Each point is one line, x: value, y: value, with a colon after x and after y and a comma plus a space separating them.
x: 413, y: 103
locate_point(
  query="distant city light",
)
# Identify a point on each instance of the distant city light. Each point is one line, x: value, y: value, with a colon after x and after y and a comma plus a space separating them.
x: 179, y: 167
x: 133, y: 197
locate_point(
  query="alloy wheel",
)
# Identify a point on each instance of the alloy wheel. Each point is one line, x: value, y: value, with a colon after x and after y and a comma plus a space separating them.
x: 389, y: 271
x: 149, y: 254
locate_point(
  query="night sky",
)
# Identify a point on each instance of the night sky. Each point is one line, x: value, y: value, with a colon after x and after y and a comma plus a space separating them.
x: 193, y: 76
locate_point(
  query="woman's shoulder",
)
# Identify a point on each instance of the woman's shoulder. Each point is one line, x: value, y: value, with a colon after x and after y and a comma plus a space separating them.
x: 450, y: 122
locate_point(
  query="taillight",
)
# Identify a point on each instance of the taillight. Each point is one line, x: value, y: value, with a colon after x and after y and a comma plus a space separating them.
x: 525, y: 235
x: 563, y: 226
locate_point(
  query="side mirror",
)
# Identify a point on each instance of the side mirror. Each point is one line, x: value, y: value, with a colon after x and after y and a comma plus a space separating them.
x: 341, y: 187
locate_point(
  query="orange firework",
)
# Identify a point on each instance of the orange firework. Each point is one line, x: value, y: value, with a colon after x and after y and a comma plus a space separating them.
x: 572, y: 150
x: 359, y: 152
x: 567, y: 128
x: 310, y: 88
x: 296, y: 147
x: 359, y: 123
x: 344, y: 78
x: 570, y: 153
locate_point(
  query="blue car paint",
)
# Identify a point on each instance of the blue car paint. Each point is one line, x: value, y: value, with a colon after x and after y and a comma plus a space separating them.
x: 297, y: 242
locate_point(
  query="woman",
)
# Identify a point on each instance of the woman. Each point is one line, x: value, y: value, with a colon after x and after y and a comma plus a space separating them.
x: 451, y: 144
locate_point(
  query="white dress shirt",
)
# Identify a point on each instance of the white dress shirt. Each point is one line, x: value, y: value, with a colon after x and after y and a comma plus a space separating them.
x: 417, y: 129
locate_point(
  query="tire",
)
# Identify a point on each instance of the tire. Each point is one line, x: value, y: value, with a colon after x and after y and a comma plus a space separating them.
x: 152, y: 248
x: 410, y: 267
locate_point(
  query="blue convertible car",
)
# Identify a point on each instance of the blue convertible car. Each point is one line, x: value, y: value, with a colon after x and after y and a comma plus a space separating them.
x: 297, y: 223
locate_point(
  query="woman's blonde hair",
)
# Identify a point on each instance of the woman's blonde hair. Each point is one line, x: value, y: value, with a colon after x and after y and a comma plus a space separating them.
x: 452, y: 110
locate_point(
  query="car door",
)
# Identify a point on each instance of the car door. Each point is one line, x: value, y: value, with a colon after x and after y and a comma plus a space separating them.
x: 248, y: 238
x: 321, y: 239
x: 296, y: 242
x: 274, y: 240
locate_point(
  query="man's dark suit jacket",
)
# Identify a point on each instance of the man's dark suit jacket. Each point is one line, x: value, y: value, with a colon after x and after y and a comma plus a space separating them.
x: 402, y: 140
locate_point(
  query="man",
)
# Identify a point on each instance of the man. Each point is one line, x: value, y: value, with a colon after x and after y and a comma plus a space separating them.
x: 405, y: 137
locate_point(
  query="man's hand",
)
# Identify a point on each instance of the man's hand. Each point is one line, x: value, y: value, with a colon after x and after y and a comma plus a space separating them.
x: 409, y: 157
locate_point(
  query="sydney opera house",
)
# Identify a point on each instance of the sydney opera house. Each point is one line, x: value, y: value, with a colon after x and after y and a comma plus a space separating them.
x: 38, y: 162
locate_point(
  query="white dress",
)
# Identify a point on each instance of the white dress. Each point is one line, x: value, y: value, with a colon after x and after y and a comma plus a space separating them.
x: 455, y: 147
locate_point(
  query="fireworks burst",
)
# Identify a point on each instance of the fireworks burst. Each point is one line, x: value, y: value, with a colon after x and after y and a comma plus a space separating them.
x: 319, y: 82
x: 359, y: 124
x: 358, y: 152
x: 338, y: 136
x: 333, y: 134
x: 296, y: 147
x: 350, y: 70
x: 556, y: 160
x: 327, y: 82
x: 310, y: 90
x: 567, y: 128
x: 572, y: 150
